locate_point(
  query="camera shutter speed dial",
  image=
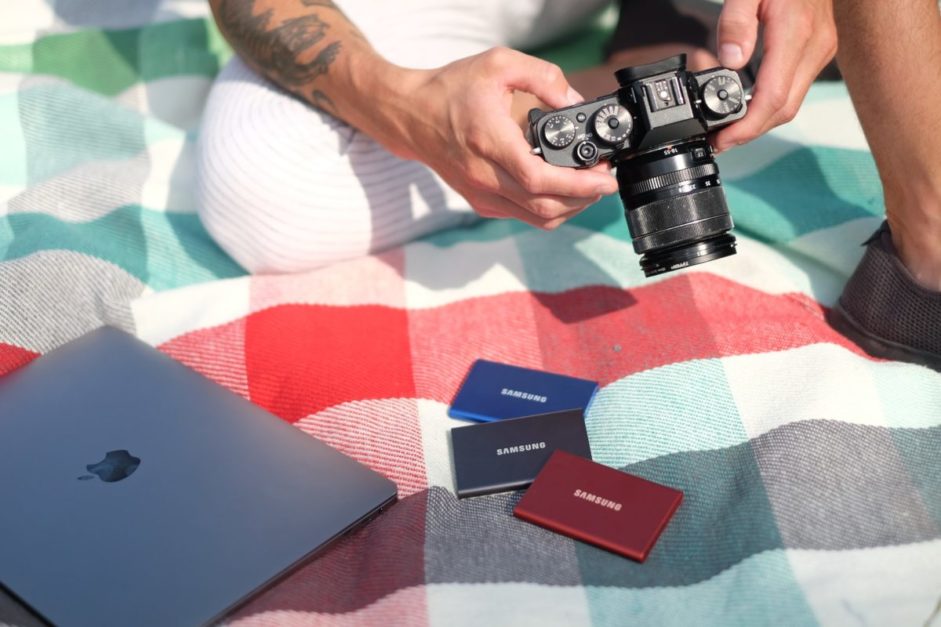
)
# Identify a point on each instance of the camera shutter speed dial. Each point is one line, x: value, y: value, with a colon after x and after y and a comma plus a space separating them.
x: 722, y: 96
x: 613, y: 124
x: 559, y: 131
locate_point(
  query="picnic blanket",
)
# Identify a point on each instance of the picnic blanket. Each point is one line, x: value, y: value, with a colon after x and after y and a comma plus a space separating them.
x: 812, y: 472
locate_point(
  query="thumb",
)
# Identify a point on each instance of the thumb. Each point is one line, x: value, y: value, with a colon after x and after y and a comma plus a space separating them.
x: 738, y: 32
x: 540, y: 78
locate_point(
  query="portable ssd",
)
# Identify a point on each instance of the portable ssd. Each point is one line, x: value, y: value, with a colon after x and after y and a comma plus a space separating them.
x: 599, y: 505
x: 494, y: 391
x: 507, y: 455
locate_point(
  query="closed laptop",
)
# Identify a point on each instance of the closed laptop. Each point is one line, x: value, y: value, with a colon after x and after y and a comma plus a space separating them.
x: 137, y: 492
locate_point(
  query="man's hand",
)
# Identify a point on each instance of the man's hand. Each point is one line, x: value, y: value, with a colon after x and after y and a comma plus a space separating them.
x: 458, y: 120
x: 799, y: 40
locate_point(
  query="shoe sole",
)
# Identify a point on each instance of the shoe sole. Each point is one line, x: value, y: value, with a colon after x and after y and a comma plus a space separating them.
x: 877, y: 346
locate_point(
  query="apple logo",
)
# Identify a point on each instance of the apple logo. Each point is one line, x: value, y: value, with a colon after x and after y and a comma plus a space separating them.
x: 116, y: 465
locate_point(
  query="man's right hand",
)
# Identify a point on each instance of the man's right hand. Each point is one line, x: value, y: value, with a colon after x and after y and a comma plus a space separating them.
x: 458, y: 120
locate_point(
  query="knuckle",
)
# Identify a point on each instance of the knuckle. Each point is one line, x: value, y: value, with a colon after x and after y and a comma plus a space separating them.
x: 552, y: 225
x: 549, y: 224
x: 554, y: 73
x: 738, y: 16
x: 497, y: 57
x: 804, y: 24
x: 739, y: 137
x: 747, y: 138
x: 777, y: 97
x: 482, y: 210
x: 830, y: 41
x: 483, y: 207
x: 476, y: 140
x: 543, y: 209
x: 789, y: 112
x: 735, y: 21
x: 530, y: 180
x: 476, y: 178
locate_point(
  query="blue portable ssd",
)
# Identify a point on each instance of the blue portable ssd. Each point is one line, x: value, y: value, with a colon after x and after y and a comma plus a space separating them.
x: 494, y: 391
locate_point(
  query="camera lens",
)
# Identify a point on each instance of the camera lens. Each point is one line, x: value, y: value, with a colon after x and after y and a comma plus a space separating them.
x: 675, y: 207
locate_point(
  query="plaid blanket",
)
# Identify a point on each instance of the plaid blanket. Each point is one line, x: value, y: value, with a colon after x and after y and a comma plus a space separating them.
x: 811, y: 471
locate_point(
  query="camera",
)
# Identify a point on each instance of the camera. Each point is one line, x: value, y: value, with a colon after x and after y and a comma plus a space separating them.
x: 653, y: 131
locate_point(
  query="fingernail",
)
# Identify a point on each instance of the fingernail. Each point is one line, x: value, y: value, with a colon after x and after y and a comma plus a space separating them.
x: 730, y: 55
x: 575, y: 97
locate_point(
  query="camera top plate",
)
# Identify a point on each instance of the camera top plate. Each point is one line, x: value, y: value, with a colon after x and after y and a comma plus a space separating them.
x: 658, y: 104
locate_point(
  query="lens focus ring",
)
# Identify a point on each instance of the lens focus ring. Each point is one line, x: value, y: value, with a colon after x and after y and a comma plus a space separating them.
x: 673, y: 178
x: 686, y: 209
x: 675, y: 207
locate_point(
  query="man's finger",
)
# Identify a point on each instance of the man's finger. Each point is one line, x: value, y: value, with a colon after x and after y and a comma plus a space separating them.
x: 784, y: 47
x: 493, y: 206
x: 543, y: 79
x: 537, y: 177
x: 738, y: 32
x: 547, y: 206
x: 819, y: 53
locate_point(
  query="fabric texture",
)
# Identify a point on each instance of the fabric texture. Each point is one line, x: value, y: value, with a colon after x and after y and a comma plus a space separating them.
x: 810, y: 470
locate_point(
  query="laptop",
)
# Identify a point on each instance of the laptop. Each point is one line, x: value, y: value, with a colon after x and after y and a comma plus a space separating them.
x: 134, y: 491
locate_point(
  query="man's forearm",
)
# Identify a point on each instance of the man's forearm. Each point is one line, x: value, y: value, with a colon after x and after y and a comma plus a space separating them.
x: 456, y: 118
x: 310, y: 48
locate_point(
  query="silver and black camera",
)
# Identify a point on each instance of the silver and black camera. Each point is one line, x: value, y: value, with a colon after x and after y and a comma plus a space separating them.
x: 653, y: 130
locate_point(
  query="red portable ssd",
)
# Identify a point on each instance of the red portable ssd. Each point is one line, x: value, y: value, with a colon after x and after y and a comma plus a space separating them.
x: 591, y: 502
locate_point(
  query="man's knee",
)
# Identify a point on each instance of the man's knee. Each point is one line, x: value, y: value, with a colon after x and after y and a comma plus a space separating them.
x: 266, y: 224
x: 267, y: 166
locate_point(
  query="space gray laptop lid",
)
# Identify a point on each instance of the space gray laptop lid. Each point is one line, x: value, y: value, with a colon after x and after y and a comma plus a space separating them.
x: 135, y: 491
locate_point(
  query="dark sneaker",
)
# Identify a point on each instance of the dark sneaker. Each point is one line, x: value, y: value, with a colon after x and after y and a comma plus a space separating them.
x: 885, y: 312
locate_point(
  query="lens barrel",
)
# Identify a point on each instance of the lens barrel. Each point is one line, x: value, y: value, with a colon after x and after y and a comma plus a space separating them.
x: 675, y: 207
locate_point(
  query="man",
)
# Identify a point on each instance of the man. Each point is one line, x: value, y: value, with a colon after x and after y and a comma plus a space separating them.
x: 408, y: 116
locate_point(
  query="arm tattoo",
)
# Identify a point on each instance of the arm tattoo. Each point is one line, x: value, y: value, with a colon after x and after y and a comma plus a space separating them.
x: 322, y: 100
x: 324, y: 58
x: 278, y: 48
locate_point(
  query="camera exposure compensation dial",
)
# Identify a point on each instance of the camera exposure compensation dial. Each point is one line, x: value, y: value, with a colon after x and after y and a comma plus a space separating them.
x: 722, y: 96
x: 559, y: 131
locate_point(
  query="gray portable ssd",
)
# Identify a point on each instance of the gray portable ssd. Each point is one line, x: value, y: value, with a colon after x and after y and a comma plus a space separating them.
x: 508, y: 454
